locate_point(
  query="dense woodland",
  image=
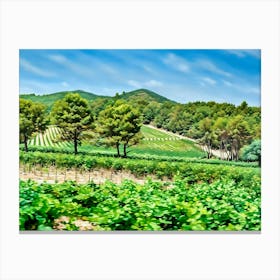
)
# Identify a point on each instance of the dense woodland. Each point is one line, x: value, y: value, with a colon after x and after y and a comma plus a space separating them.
x: 116, y: 121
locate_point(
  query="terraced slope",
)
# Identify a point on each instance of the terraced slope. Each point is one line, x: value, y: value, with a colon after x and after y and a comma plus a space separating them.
x: 155, y: 142
x: 50, y: 138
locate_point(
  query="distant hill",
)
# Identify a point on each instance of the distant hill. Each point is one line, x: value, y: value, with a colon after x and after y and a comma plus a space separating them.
x: 148, y: 95
x: 50, y: 99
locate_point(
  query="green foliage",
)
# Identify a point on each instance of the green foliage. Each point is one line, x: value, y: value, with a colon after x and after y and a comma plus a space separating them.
x: 222, y: 205
x: 73, y: 115
x: 137, y: 95
x: 155, y: 144
x: 144, y: 96
x: 49, y: 99
x: 252, y: 152
x: 140, y: 154
x: 32, y: 119
x: 120, y: 124
x: 217, y: 126
x: 192, y: 171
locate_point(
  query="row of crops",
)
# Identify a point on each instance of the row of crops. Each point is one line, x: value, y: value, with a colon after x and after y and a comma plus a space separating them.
x: 221, y: 205
x: 191, y: 171
x: 49, y: 138
x: 94, y: 151
x: 196, y: 196
x: 154, y: 143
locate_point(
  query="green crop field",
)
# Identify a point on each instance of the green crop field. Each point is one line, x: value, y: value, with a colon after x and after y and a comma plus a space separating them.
x: 221, y: 205
x: 154, y: 143
x: 49, y: 138
x: 154, y: 134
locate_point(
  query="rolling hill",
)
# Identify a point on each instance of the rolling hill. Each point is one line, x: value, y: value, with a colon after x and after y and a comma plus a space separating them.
x: 146, y: 94
x: 154, y: 143
x: 50, y: 99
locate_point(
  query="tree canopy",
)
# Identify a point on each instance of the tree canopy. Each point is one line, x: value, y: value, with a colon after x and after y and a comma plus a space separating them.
x: 32, y: 119
x: 73, y: 115
x: 252, y: 152
x: 118, y: 124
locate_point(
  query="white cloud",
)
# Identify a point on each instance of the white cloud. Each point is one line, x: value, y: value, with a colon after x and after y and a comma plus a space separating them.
x: 148, y: 69
x: 58, y: 58
x: 244, y: 53
x: 134, y: 83
x: 75, y: 67
x: 107, y: 69
x: 211, y: 67
x: 37, y: 86
x: 34, y: 69
x: 246, y: 88
x: 253, y: 90
x: 149, y: 84
x: 65, y: 84
x: 177, y: 63
x: 153, y: 83
x: 209, y: 81
x: 227, y: 83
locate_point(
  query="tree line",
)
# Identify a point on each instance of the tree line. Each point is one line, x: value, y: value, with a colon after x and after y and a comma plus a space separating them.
x: 117, y: 122
x: 215, y: 126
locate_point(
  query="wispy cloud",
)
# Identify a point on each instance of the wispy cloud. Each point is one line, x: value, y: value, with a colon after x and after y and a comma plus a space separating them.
x: 37, y: 86
x: 182, y: 75
x: 245, y: 88
x: 211, y: 67
x: 153, y: 83
x: 149, y: 69
x: 107, y: 69
x: 149, y: 84
x: 134, y: 83
x: 244, y: 53
x: 26, y: 65
x: 209, y: 81
x: 227, y: 83
x: 65, y: 84
x: 177, y: 63
x: 75, y: 67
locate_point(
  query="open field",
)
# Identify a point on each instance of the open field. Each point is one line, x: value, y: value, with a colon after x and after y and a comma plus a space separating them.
x: 154, y: 143
x: 50, y: 138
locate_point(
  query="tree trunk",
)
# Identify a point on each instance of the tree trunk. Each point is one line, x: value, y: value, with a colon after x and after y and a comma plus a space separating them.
x: 124, y: 150
x: 118, y: 149
x: 25, y: 143
x: 75, y: 146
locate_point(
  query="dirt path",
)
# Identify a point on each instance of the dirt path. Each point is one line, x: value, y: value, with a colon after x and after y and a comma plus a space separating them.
x: 170, y: 133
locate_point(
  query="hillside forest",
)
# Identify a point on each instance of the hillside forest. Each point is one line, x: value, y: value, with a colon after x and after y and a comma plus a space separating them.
x: 223, y: 127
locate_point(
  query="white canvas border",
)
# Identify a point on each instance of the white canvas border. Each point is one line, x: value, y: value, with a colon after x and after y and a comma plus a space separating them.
x: 140, y: 24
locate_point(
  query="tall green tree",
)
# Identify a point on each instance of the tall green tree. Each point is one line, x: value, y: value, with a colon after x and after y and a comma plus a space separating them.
x: 240, y: 134
x: 73, y: 115
x: 207, y: 139
x: 222, y: 137
x: 119, y: 124
x: 252, y: 152
x: 32, y: 120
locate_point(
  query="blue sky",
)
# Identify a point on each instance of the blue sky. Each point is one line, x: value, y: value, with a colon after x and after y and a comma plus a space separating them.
x: 181, y: 75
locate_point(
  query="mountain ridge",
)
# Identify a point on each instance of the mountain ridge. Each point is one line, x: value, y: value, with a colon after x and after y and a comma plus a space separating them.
x: 50, y: 99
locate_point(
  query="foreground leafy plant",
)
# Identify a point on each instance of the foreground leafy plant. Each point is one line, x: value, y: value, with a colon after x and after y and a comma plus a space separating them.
x: 222, y: 205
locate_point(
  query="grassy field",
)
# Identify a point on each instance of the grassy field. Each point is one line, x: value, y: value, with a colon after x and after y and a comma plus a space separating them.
x: 154, y: 143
